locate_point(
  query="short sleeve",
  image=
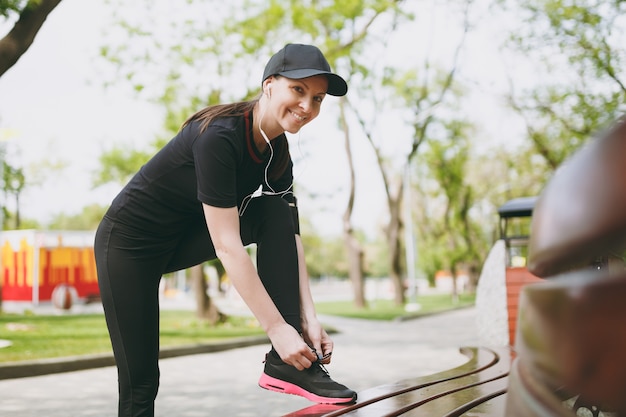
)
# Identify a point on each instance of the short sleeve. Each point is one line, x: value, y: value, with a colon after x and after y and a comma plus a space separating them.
x: 215, y: 160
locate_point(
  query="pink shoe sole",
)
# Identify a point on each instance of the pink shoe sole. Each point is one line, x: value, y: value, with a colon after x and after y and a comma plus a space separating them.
x: 277, y: 385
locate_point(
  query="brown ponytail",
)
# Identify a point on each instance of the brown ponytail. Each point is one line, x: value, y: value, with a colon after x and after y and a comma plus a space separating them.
x: 280, y: 144
x: 210, y: 113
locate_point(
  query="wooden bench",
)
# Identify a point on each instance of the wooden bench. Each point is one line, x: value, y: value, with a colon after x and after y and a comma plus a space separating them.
x: 569, y: 357
x: 476, y: 387
x: 571, y: 347
x: 571, y: 339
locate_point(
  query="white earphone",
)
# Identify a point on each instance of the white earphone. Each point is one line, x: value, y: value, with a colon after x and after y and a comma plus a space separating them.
x: 269, y: 191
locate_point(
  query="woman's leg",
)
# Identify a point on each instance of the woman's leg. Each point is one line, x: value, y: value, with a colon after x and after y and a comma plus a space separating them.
x: 195, y: 247
x: 128, y: 276
x: 267, y: 222
x: 270, y: 224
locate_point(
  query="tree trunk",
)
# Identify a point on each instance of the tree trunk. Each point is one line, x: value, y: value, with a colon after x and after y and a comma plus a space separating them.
x: 395, y: 251
x: 474, y: 273
x: 355, y: 263
x: 353, y: 247
x: 205, y: 307
x: 221, y: 274
x: 21, y: 37
x: 18, y: 218
x: 454, y: 270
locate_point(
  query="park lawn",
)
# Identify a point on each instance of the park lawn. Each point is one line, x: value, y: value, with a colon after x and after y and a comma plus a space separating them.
x: 388, y: 310
x: 36, y: 337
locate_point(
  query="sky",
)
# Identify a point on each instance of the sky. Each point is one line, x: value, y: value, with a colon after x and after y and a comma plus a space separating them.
x: 55, y: 109
x: 54, y: 113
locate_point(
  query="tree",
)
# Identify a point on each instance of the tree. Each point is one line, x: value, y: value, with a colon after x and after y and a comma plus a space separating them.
x: 414, y: 93
x: 341, y: 29
x: 249, y: 32
x: 325, y: 256
x: 577, y: 52
x: 31, y: 16
x: 451, y: 239
x: 88, y: 219
x: 13, y: 182
x: 118, y: 164
x: 353, y: 245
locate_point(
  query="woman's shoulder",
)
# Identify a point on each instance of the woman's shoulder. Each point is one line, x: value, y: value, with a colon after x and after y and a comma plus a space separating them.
x: 231, y: 127
x: 227, y: 122
x: 220, y: 133
x: 219, y: 123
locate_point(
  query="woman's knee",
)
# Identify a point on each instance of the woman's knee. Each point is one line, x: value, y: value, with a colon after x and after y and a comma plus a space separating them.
x: 276, y: 216
x: 267, y: 218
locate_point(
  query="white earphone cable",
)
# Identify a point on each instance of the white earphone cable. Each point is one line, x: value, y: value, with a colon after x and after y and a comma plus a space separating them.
x: 259, y: 192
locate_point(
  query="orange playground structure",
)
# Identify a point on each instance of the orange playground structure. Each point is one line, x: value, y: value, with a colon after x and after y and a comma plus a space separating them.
x: 33, y: 263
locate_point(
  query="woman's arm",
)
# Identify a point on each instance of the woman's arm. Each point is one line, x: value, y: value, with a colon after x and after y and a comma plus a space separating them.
x: 223, y: 225
x: 313, y: 331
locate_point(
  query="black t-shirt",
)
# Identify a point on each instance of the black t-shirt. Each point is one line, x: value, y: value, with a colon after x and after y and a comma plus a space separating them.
x: 220, y: 167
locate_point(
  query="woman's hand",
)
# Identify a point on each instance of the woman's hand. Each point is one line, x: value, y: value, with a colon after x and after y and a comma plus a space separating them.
x: 315, y: 335
x: 290, y: 346
x: 223, y: 225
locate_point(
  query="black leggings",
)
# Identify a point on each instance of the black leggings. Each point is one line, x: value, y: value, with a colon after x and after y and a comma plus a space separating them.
x: 130, y: 267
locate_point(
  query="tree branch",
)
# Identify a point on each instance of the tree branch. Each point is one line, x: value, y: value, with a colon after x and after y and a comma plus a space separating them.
x: 21, y: 37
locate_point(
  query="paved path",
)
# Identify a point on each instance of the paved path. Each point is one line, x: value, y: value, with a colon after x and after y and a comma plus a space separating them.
x: 223, y: 384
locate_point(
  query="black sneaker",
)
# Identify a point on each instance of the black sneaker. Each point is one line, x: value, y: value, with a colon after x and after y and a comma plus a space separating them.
x: 313, y: 383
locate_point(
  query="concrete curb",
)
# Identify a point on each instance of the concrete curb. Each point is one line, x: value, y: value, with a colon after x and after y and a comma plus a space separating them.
x: 79, y: 363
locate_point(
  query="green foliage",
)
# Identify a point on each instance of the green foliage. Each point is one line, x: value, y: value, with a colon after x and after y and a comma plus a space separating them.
x: 13, y: 179
x: 577, y: 48
x: 7, y: 7
x: 574, y: 47
x: 88, y: 219
x: 324, y: 256
x: 227, y: 51
x: 376, y: 257
x: 13, y: 183
x: 119, y: 164
x: 8, y: 222
x: 450, y: 236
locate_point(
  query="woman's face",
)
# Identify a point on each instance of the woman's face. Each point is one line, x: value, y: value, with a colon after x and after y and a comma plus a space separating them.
x: 294, y: 103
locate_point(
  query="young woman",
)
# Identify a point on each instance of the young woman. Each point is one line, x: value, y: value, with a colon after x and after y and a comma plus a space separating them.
x: 223, y: 182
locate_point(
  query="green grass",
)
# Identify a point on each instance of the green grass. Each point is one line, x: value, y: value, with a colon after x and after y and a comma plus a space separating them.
x: 388, y: 310
x: 38, y: 337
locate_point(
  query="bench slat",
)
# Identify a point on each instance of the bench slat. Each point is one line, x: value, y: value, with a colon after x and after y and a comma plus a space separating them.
x: 482, y: 376
x: 495, y: 406
x: 456, y: 402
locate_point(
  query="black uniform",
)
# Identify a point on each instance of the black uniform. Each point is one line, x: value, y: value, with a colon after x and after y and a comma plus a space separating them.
x: 156, y: 225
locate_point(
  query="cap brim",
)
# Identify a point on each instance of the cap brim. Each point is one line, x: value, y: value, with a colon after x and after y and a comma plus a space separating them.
x: 337, y: 86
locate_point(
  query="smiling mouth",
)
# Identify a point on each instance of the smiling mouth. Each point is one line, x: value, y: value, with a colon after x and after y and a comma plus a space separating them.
x: 297, y: 117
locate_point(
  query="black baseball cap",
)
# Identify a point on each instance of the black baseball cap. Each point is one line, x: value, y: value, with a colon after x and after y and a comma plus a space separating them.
x: 298, y: 61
